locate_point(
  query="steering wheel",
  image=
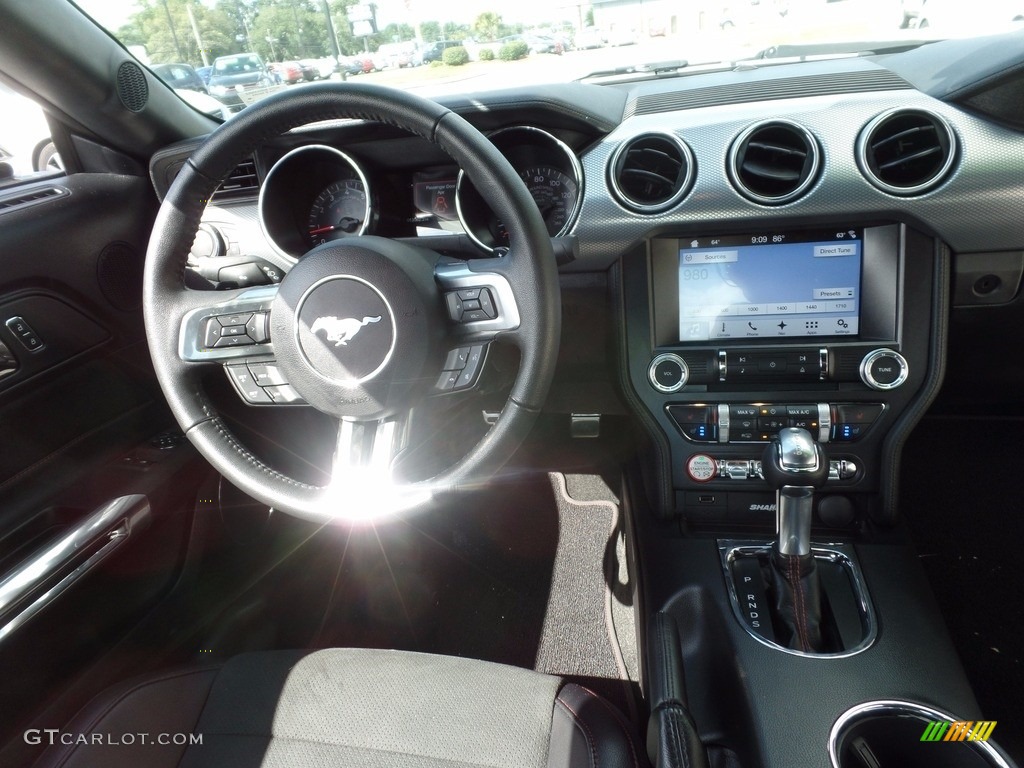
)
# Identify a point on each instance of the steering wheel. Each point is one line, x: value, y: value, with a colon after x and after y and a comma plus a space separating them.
x: 362, y: 328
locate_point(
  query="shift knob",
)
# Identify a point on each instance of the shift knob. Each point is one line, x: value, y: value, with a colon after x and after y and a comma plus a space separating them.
x: 794, y: 458
x: 794, y: 464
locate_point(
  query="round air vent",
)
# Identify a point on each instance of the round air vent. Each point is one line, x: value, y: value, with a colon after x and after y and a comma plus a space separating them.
x: 773, y: 163
x: 132, y: 89
x: 906, y: 152
x: 652, y: 172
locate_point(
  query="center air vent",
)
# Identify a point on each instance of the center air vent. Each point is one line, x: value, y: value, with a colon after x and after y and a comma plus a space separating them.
x: 242, y: 182
x: 774, y: 162
x: 651, y: 172
x: 906, y: 152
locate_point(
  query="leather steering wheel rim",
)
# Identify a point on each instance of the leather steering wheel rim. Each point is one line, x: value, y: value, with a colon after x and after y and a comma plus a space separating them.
x: 529, y: 268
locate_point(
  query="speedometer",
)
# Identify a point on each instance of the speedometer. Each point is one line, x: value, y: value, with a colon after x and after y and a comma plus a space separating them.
x: 555, y: 194
x: 338, y: 211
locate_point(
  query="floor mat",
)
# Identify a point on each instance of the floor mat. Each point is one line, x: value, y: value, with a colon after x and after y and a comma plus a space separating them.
x: 520, y: 573
x: 962, y: 500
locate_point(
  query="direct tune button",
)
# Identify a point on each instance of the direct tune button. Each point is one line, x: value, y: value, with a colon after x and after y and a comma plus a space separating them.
x: 884, y: 369
x: 668, y: 373
x: 701, y: 468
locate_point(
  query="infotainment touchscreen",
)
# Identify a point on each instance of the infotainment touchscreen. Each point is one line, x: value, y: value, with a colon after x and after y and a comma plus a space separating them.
x: 770, y: 286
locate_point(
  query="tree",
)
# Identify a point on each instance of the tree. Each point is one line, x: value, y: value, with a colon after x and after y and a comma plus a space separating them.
x: 452, y: 31
x: 242, y: 14
x: 289, y: 29
x: 431, y: 31
x: 487, y: 26
x: 164, y: 28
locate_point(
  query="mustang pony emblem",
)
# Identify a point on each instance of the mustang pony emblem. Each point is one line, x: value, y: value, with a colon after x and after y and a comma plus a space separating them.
x: 341, y: 331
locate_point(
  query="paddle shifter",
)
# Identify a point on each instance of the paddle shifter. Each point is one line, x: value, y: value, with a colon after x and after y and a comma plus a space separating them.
x: 794, y: 465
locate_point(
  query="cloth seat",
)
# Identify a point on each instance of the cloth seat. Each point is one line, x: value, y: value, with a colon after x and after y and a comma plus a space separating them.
x: 344, y: 708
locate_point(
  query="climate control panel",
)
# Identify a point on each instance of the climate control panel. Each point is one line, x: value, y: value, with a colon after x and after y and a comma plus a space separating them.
x: 728, y: 423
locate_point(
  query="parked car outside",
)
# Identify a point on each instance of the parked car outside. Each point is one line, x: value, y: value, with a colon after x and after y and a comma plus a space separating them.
x: 322, y: 68
x: 394, y: 55
x: 435, y: 50
x: 353, y: 65
x: 180, y: 77
x: 288, y: 71
x: 204, y: 74
x: 544, y: 44
x: 590, y: 37
x: 235, y: 74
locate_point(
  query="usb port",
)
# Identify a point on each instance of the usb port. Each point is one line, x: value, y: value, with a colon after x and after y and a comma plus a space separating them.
x: 706, y: 498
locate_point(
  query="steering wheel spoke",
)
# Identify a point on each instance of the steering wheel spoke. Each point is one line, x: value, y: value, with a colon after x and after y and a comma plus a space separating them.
x: 479, y: 299
x: 231, y: 329
x: 462, y: 367
x: 260, y: 381
x: 367, y: 447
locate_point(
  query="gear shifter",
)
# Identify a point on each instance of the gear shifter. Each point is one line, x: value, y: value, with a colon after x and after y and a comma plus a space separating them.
x: 794, y: 465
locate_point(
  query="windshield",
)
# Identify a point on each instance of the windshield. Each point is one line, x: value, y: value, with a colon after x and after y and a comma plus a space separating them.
x: 474, y: 45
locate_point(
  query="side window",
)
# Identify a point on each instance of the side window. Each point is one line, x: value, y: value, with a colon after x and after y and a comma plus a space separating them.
x: 25, y: 145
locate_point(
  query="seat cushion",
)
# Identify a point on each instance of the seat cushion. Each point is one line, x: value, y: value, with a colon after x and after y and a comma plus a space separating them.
x: 347, y: 707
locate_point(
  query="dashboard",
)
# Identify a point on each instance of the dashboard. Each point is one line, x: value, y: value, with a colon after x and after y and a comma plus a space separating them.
x: 776, y: 245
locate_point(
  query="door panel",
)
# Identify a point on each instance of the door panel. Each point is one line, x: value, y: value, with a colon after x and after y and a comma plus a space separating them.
x: 80, y: 414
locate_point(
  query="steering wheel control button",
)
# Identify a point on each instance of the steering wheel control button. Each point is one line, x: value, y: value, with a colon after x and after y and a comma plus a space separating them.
x: 239, y: 318
x: 233, y: 341
x: 461, y: 368
x: 24, y: 333
x: 455, y: 306
x: 345, y: 329
x: 668, y: 373
x: 246, y: 385
x: 456, y: 359
x: 471, y: 305
x: 487, y: 304
x: 884, y: 369
x: 257, y: 328
x: 702, y: 468
x: 266, y: 374
x: 473, y: 365
x: 283, y: 394
x: 236, y: 330
x: 447, y: 381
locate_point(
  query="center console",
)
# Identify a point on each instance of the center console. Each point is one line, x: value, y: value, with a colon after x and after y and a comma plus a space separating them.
x: 777, y: 375
x: 731, y: 338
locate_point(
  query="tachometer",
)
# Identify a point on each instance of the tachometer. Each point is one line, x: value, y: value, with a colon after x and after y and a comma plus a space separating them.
x: 555, y: 194
x: 338, y: 211
x: 314, y: 194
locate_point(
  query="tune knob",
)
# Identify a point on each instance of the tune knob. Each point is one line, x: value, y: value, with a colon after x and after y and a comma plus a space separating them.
x: 668, y: 373
x: 884, y: 369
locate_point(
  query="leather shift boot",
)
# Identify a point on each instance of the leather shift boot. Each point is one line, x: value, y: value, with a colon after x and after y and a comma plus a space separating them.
x: 797, y: 593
